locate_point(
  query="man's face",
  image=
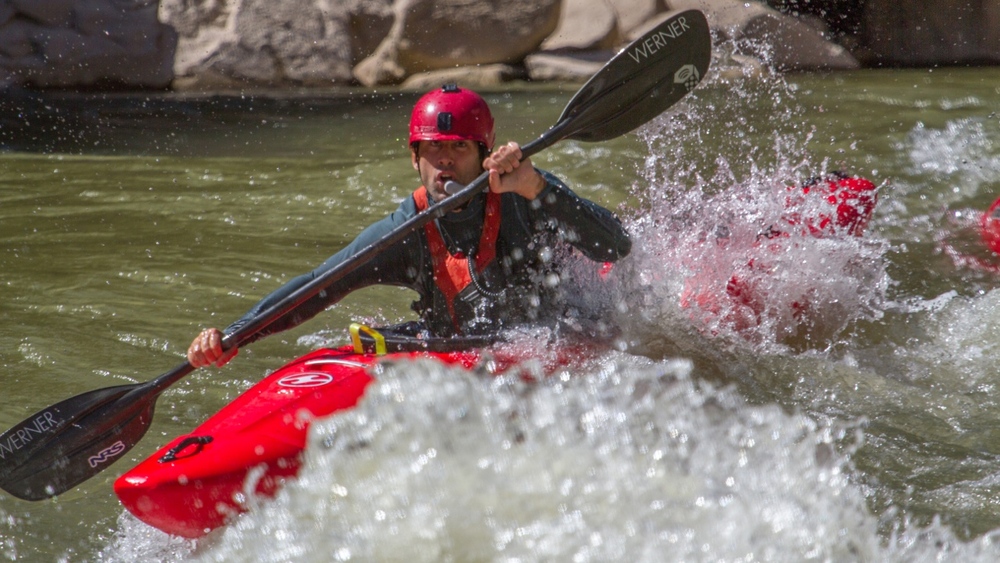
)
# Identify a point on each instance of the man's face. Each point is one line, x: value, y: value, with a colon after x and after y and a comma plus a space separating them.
x: 437, y: 162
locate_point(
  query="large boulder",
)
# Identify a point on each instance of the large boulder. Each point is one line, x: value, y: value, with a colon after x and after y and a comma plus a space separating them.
x: 265, y: 43
x: 780, y: 41
x: 84, y: 43
x: 584, y: 25
x: 436, y: 34
x: 635, y: 13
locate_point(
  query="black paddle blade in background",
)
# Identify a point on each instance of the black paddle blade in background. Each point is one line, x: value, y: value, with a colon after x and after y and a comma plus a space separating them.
x: 651, y: 74
x: 67, y: 443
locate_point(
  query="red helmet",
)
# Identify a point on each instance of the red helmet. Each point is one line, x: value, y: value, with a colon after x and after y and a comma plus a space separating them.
x: 452, y: 114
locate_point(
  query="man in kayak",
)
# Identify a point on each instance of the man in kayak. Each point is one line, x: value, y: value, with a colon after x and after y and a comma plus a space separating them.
x: 491, y: 264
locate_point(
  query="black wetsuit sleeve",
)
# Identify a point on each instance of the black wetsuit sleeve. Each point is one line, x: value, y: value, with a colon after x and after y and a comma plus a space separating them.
x: 393, y: 266
x: 590, y: 228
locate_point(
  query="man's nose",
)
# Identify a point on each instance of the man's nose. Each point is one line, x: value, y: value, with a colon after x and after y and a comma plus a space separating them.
x: 446, y: 156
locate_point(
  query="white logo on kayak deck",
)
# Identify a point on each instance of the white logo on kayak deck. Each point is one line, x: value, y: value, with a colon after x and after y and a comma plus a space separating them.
x: 308, y: 379
x: 687, y: 75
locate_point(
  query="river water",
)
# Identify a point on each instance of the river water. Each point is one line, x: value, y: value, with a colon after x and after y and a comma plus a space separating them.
x: 864, y: 427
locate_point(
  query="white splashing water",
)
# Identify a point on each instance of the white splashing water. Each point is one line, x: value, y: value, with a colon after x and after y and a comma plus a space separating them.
x: 964, y: 151
x: 635, y: 461
x: 728, y: 256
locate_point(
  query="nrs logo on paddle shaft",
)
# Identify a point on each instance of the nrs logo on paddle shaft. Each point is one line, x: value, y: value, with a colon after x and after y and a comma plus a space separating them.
x: 107, y: 454
x: 654, y: 43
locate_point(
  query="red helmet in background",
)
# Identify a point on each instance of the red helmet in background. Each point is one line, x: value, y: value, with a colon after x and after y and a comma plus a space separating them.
x: 452, y: 114
x: 990, y: 227
x: 849, y: 202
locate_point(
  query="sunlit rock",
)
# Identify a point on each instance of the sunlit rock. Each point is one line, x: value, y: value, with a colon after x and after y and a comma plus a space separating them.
x: 263, y: 43
x: 585, y: 25
x: 481, y: 76
x: 432, y: 35
x: 565, y: 66
x: 635, y: 13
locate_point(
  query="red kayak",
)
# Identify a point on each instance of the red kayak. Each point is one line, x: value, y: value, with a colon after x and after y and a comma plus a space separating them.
x: 989, y: 226
x: 198, y: 481
x: 195, y: 483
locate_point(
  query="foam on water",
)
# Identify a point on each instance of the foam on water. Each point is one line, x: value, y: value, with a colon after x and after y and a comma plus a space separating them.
x: 634, y: 461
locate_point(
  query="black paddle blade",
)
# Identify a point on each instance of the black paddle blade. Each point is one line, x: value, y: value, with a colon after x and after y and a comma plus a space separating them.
x: 67, y: 443
x: 638, y: 84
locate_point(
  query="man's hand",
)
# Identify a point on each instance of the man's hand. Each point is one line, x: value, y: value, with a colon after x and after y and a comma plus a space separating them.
x: 206, y: 349
x: 508, y: 173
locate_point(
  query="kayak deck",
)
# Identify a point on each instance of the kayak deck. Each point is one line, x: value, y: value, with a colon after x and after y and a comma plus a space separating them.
x: 196, y: 482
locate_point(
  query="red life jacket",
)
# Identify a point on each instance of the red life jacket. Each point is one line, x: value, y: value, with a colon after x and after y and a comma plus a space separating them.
x: 452, y: 273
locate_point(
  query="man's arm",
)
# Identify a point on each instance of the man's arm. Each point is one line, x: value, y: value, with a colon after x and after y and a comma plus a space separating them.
x: 385, y: 268
x: 590, y: 228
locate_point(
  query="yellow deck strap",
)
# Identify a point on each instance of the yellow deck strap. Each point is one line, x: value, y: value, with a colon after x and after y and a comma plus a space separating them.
x: 356, y: 330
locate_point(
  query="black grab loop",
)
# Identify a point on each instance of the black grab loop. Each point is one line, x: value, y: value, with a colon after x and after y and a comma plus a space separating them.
x: 200, y: 441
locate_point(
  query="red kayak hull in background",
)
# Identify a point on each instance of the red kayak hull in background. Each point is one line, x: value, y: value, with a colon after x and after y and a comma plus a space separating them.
x: 196, y: 482
x: 990, y: 226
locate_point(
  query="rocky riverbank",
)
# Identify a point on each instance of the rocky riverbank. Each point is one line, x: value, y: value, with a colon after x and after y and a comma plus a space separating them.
x: 189, y: 45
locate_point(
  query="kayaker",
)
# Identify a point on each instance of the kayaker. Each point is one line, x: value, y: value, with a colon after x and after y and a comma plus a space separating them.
x: 491, y: 264
x: 835, y: 205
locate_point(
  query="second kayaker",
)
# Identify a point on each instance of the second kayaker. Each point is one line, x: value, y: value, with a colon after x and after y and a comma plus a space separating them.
x: 490, y: 264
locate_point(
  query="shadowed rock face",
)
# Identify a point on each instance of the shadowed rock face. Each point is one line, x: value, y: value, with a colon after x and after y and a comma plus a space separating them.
x: 212, y: 44
x: 85, y: 43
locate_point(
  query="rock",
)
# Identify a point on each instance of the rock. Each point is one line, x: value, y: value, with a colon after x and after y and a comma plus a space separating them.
x: 635, y: 13
x: 726, y: 17
x: 7, y: 12
x: 369, y: 23
x: 584, y: 25
x: 944, y: 32
x: 294, y: 36
x: 781, y: 42
x: 565, y: 67
x: 260, y: 42
x: 15, y: 39
x: 100, y: 17
x: 791, y: 45
x: 435, y: 34
x: 86, y: 43
x: 72, y: 59
x: 48, y: 13
x: 474, y: 77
